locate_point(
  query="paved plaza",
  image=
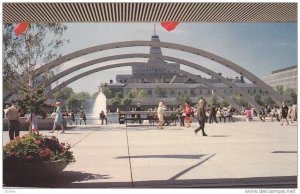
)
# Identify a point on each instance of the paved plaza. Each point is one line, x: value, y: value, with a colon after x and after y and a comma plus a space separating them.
x: 239, y: 154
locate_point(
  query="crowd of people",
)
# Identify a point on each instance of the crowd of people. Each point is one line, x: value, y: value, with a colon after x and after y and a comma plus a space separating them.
x: 202, y: 112
x: 281, y: 114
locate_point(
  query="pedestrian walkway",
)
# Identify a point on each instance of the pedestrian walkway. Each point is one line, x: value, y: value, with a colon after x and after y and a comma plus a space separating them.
x: 239, y: 154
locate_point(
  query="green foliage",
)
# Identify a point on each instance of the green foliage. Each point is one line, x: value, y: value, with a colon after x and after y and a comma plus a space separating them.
x: 213, y: 100
x: 32, y: 102
x: 280, y: 89
x: 107, y: 92
x: 258, y: 99
x: 114, y: 102
x: 94, y: 95
x: 182, y: 98
x: 22, y: 55
x: 142, y: 94
x: 65, y: 93
x: 224, y: 103
x: 77, y: 100
x: 126, y: 101
x: 239, y: 100
x: 38, y: 45
x: 133, y: 93
x: 267, y: 100
x: 119, y: 95
x: 83, y: 96
x: 34, y: 147
x: 73, y: 103
x: 292, y: 93
x: 158, y: 91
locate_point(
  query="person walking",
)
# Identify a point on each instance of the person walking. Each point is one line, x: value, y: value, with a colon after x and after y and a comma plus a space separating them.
x: 290, y: 114
x: 284, y: 113
x: 103, y: 117
x: 248, y: 114
x: 82, y: 117
x: 187, y: 111
x: 262, y: 114
x: 160, y: 115
x: 33, y: 120
x: 13, y: 116
x: 180, y: 115
x: 201, y: 116
x: 212, y: 114
x: 273, y: 113
x: 58, y: 119
x: 138, y: 108
x: 73, y: 116
x: 221, y: 115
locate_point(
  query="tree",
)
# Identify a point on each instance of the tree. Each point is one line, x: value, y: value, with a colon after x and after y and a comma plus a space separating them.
x: 158, y: 91
x: 258, y: 99
x: 268, y: 100
x: 279, y: 89
x: 142, y: 94
x: 94, y: 95
x: 119, y: 94
x: 34, y: 102
x: 38, y: 45
x: 22, y: 55
x: 114, y: 102
x: 107, y: 92
x: 126, y: 102
x: 182, y: 98
x: 132, y: 93
x: 64, y: 93
x: 224, y: 103
x: 239, y: 100
x: 213, y: 100
x: 73, y: 103
x: 83, y: 96
x: 291, y: 92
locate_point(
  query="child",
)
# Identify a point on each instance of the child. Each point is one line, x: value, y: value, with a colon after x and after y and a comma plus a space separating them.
x: 33, y: 120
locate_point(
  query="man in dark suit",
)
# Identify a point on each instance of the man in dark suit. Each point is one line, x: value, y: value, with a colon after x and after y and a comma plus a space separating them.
x: 138, y: 108
x: 201, y: 116
x: 212, y: 114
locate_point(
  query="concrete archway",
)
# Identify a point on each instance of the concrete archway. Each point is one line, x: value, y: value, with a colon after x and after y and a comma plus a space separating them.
x: 204, y: 81
x: 250, y: 76
x: 231, y: 85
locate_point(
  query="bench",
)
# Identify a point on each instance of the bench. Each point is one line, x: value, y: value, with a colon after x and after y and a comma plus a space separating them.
x: 140, y: 116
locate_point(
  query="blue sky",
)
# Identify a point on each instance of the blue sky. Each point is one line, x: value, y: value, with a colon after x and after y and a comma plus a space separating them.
x: 258, y: 47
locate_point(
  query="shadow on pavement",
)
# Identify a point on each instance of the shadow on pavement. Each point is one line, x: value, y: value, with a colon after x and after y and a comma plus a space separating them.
x: 284, y: 152
x: 61, y: 180
x: 163, y: 156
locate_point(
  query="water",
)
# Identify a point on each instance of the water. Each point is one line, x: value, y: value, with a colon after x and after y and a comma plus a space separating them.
x: 92, y: 120
x: 93, y: 117
x: 99, y: 105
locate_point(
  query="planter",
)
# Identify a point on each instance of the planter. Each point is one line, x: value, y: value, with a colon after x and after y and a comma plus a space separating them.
x: 32, y: 169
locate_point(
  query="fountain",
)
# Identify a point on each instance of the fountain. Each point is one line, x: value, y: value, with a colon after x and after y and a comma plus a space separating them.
x: 99, y: 105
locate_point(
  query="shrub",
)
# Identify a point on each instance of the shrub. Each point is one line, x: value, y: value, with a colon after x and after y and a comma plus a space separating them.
x: 34, y: 147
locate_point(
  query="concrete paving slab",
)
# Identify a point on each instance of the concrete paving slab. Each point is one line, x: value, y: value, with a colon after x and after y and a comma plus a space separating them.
x: 239, y: 154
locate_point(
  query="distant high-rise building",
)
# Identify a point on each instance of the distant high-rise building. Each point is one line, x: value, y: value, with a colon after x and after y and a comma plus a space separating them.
x: 286, y: 77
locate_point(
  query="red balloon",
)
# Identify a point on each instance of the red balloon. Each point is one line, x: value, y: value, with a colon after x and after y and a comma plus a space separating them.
x: 169, y: 25
x: 21, y: 27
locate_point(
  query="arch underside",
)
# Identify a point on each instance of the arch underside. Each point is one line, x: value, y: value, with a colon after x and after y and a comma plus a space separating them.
x: 193, y: 65
x: 253, y: 78
x: 202, y: 80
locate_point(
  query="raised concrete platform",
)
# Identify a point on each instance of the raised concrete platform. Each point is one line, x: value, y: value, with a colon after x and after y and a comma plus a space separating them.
x: 239, y: 154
